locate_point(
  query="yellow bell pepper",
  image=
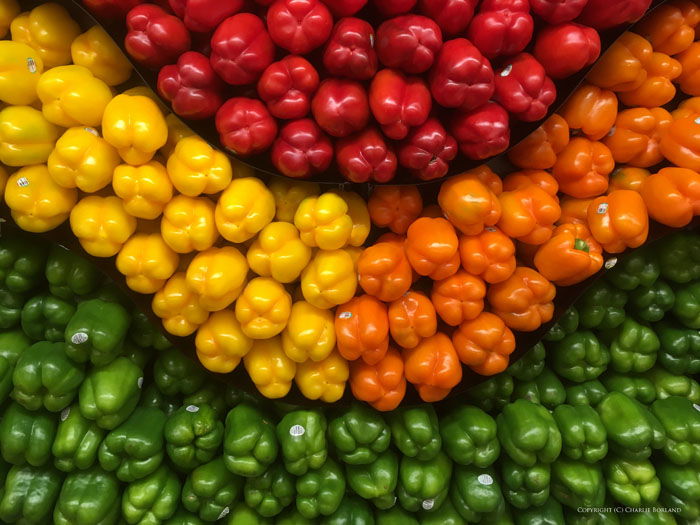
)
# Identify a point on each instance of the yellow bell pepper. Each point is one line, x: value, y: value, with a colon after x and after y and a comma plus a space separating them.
x: 324, y: 222
x: 245, y: 207
x: 288, y: 195
x: 20, y: 69
x: 217, y: 276
x: 4, y: 175
x: 324, y: 380
x: 310, y: 333
x: 279, y: 253
x: 145, y: 91
x: 358, y: 212
x: 221, y: 343
x: 135, y: 126
x: 147, y: 262
x: 178, y: 306
x: 82, y: 159
x: 73, y: 96
x: 144, y: 189
x: 37, y: 203
x: 102, y: 225
x: 269, y: 368
x: 263, y: 308
x: 9, y: 9
x: 177, y: 130
x: 195, y: 168
x: 26, y: 137
x: 330, y: 279
x: 355, y: 252
x: 188, y: 224
x: 50, y: 30
x: 96, y: 50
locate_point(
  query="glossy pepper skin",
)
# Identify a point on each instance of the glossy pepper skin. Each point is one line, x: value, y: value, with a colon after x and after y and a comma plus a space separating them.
x: 18, y: 85
x: 651, y: 303
x: 489, y: 254
x: 217, y: 276
x: 592, y: 110
x: 545, y: 389
x: 679, y: 350
x: 377, y: 480
x: 155, y: 496
x: 524, y: 487
x: 309, y: 333
x: 530, y: 365
x: 678, y: 260
x: 77, y: 441
x: 415, y: 432
x: 174, y: 374
x: 469, y: 215
x: 350, y: 51
x: 383, y: 385
x: 589, y: 393
x: 193, y: 435
x: 483, y: 132
x: 570, y: 256
x: 29, y: 494
x: 95, y: 50
x: 271, y: 492
x: 287, y: 87
x: 329, y: 279
x: 428, y: 150
x: 88, y: 496
x: 412, y: 318
x: 49, y: 29
x: 542, y: 441
x: 409, y: 43
x: 301, y: 149
x: 576, y: 483
x: 529, y: 213
x: 104, y: 326
x: 632, y: 482
x: 688, y: 79
x: 423, y: 480
x: 26, y: 136
x: 580, y: 44
x: 469, y: 437
x: 602, y: 306
x: 668, y: 384
x: 101, y: 224
x: 501, y: 29
x: 584, y: 437
x: 155, y: 38
x: 432, y: 248
x: 320, y: 491
x: 147, y: 262
x: 639, y: 388
x: 245, y: 126
x: 580, y: 356
x: 671, y: 196
x: 144, y: 190
x: 636, y: 136
x: 398, y: 103
x: 619, y: 220
x: 539, y: 150
x: 302, y: 451
x: 680, y: 422
x: 209, y: 489
x: 191, y: 86
x: 433, y: 367
x: 524, y: 89
x: 325, y: 379
x: 582, y: 168
x: 366, y: 156
x: 358, y: 435
x: 658, y: 88
x: 263, y: 308
x: 476, y: 493
x: 384, y: 271
x: 524, y: 300
x: 21, y: 264
x: 250, y: 444
x: 244, y: 208
x: 680, y: 487
x: 270, y: 368
x: 44, y: 317
x: 299, y: 26
x: 362, y: 329
x: 340, y: 107
x: 634, y: 52
x: 26, y: 437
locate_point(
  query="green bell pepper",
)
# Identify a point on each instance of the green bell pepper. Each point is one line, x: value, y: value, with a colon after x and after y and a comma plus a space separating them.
x: 589, y: 393
x: 6, y: 370
x: 577, y: 484
x: 667, y: 385
x: 529, y: 366
x: 415, y: 431
x: 292, y: 516
x: 145, y: 334
x: 235, y: 396
x: 154, y: 398
x: 29, y: 495
x: 351, y: 510
x: 69, y: 275
x: 44, y: 376
x: 11, y: 304
x: 550, y: 513
x: 377, y: 480
x: 88, y: 497
x: 77, y: 441
x: 469, y: 436
x: 651, y: 303
x: 681, y: 422
x: 135, y: 448
x: 151, y: 499
x: 582, y: 432
x: 210, y: 490
x: 424, y: 484
x: 565, y: 325
x: 110, y: 393
x: 591, y: 518
x: 546, y: 389
x: 687, y: 305
x: 21, y: 264
x: 26, y: 437
x: 183, y: 517
x: 639, y: 268
x: 398, y: 516
x: 475, y: 493
x: 446, y: 515
x: 174, y: 373
x: 602, y: 306
x: 680, y: 488
x: 270, y: 493
x: 97, y: 331
x: 212, y: 395
x: 320, y: 491
x: 632, y: 483
x: 679, y: 257
x: 680, y: 348
x: 525, y: 487
x: 12, y: 344
x: 242, y: 514
x: 302, y: 438
x: 649, y: 518
x: 636, y: 387
x: 633, y: 348
x: 141, y: 357
x: 250, y: 443
x: 579, y: 357
x: 358, y: 435
x: 193, y: 435
x: 528, y: 433
x: 493, y: 394
x: 44, y: 317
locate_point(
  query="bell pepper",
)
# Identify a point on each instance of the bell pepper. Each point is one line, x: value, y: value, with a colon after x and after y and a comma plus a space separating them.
x: 584, y: 437
x: 250, y: 445
x: 325, y: 379
x: 619, y: 220
x: 632, y: 483
x: 299, y: 27
x: 22, y: 67
x: 351, y: 510
x: 668, y: 384
x: 573, y: 210
x: 433, y: 367
x: 147, y: 262
x: 528, y: 214
x: 302, y: 438
x: 44, y: 317
x: 220, y: 341
x: 395, y: 207
x: 484, y: 344
x: 489, y: 255
x: 476, y: 494
x: 29, y: 494
x: 358, y: 435
x: 10, y: 308
x: 525, y: 487
x: 469, y: 437
x: 671, y: 29
x: 270, y: 368
x: 409, y: 43
x: 531, y: 364
x: 570, y: 256
x: 341, y: 107
x: 88, y: 496
x: 154, y: 37
x: 639, y: 268
x: 320, y: 491
x: 263, y: 308
x: 195, y: 168
x: 411, y: 319
x: 329, y: 279
x: 9, y: 9
x: 49, y: 29
x: 680, y: 488
x: 415, y: 431
x: 155, y: 496
x: 501, y: 28
x: 26, y: 138
x: 191, y: 86
x: 687, y: 306
x: 396, y: 515
x: 145, y: 190
x: 539, y: 150
x: 212, y: 394
x: 524, y: 300
x: 102, y: 225
x: 525, y: 178
x: 211, y: 490
x: 592, y: 110
x: 483, y: 132
x: 270, y: 493
x: 432, y: 248
x: 288, y: 194
x: 671, y: 196
x: 301, y: 149
x: 492, y: 394
x: 366, y: 156
x: 577, y: 484
x: 179, y: 308
x: 588, y: 393
x: 244, y: 208
x: 110, y: 393
x: 382, y: 385
x: 69, y: 275
x: 580, y: 44
x: 582, y: 168
x: 638, y: 388
x: 580, y: 356
x: 309, y: 333
x: 528, y: 433
x: 623, y: 67
x: 77, y: 441
x: 635, y: 138
x: 470, y: 216
x: 524, y: 89
x: 424, y: 483
x: 377, y: 480
x: 26, y: 437
x: 188, y: 224
x: 428, y: 150
x: 627, y: 178
x: 193, y: 435
x: 544, y: 389
x: 287, y: 87
x: 398, y: 103
x: 144, y: 334
x: 458, y: 298
x: 358, y: 212
x: 602, y: 306
x: 349, y: 51
x: 453, y: 16
x: 384, y: 271
x: 174, y: 373
x: 324, y: 221
x: 658, y: 88
x: 21, y: 264
x: 95, y: 50
x: 679, y: 143
x: 679, y: 352
x: 679, y: 258
x: 651, y: 303
x: 217, y: 276
x: 688, y: 79
x: 680, y: 421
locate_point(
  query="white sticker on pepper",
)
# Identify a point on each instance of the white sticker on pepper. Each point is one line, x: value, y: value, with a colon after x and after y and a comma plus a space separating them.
x: 192, y: 408
x: 485, y: 479
x: 297, y: 430
x: 79, y: 338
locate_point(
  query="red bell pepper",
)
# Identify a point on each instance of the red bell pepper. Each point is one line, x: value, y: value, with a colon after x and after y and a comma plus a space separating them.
x: 579, y: 44
x: 287, y: 87
x: 502, y: 27
x: 524, y: 89
x: 245, y: 126
x: 409, y: 43
x: 299, y: 26
x: 241, y: 49
x: 340, y: 107
x: 111, y: 9
x: 428, y: 150
x: 302, y: 149
x: 350, y: 50
x: 341, y: 8
x: 399, y: 103
x: 453, y: 16
x: 557, y: 11
x: 394, y: 7
x: 483, y: 132
x: 366, y: 157
x: 603, y: 14
x: 462, y: 76
x: 154, y: 38
x: 202, y: 16
x: 191, y: 86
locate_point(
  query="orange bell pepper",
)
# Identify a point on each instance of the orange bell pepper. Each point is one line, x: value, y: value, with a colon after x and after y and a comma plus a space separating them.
x: 592, y: 110
x: 689, y: 108
x: 395, y: 207
x: 572, y: 255
x: 362, y: 329
x: 657, y: 89
x: 670, y: 28
x: 626, y: 178
x: 681, y: 142
x: 487, y: 176
x: 484, y: 344
x: 433, y: 367
x: 468, y: 203
x: 689, y: 79
x: 432, y: 248
x: 582, y: 168
x: 623, y: 66
x: 458, y: 298
x: 619, y: 220
x: 573, y: 210
x: 539, y: 150
x: 525, y: 178
x: 672, y: 196
x: 411, y: 319
x: 529, y: 214
x: 382, y: 385
x: 489, y: 255
x: 635, y: 138
x: 384, y: 271
x: 524, y: 300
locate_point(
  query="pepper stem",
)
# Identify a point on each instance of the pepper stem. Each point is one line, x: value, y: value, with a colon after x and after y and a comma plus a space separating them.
x: 580, y: 244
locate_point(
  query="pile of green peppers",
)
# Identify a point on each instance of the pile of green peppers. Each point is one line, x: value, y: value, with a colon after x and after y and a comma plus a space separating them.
x: 103, y: 422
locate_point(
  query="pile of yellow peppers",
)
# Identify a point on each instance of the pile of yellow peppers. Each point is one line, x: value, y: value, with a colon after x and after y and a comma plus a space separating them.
x: 253, y: 270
